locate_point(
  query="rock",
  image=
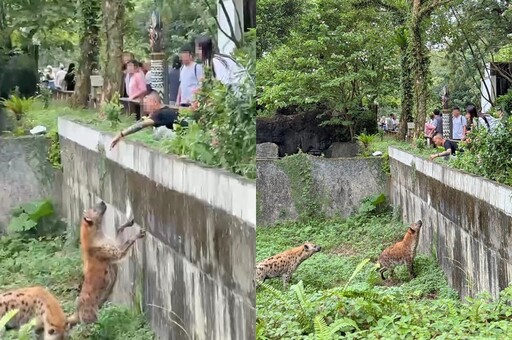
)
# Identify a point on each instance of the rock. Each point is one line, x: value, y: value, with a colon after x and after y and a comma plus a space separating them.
x: 377, y: 153
x: 163, y: 133
x: 267, y: 150
x: 38, y: 130
x: 342, y: 150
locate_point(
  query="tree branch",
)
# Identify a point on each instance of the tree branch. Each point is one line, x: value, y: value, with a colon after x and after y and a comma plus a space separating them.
x: 213, y: 14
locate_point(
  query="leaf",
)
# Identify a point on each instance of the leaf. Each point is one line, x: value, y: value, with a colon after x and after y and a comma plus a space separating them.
x: 356, y: 271
x: 7, y: 317
x: 21, y: 223
x: 37, y: 210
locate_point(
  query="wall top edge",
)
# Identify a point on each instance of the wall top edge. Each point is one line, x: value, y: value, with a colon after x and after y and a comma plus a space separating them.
x: 400, y: 156
x: 66, y: 128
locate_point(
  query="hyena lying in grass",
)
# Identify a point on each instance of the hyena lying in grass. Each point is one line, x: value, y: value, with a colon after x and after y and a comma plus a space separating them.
x: 402, y: 252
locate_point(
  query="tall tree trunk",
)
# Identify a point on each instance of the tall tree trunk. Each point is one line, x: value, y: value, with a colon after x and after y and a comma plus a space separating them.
x: 419, y: 67
x: 406, y: 84
x: 113, y: 23
x: 89, y: 48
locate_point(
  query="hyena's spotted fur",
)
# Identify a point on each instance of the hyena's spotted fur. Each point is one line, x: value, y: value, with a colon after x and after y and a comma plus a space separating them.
x: 402, y: 252
x: 100, y: 255
x: 284, y: 264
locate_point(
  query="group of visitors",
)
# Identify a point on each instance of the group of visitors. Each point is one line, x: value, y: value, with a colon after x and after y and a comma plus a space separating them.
x: 461, y: 128
x: 389, y: 124
x: 62, y: 79
x: 185, y: 78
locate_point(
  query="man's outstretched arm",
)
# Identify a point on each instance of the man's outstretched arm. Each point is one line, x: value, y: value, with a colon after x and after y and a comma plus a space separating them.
x: 141, y: 124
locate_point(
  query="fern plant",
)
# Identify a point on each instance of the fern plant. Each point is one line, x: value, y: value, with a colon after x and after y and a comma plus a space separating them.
x: 365, y: 140
x: 18, y: 105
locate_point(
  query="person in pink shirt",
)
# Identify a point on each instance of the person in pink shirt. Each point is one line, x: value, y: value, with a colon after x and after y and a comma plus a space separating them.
x: 136, y: 80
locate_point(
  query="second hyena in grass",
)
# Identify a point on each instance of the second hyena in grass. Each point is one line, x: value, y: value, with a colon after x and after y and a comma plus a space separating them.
x: 284, y: 264
x: 402, y: 252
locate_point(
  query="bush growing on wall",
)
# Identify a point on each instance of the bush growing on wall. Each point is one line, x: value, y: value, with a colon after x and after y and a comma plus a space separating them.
x: 489, y: 154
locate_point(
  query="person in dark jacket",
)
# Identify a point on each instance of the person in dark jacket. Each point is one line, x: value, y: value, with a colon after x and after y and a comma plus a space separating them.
x: 174, y: 79
x: 69, y: 78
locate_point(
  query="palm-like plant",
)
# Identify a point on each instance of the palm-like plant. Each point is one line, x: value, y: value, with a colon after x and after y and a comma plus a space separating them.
x: 18, y: 105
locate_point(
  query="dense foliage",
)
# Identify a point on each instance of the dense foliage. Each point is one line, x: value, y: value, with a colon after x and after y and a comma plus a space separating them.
x: 275, y: 20
x: 488, y: 154
x: 337, y: 65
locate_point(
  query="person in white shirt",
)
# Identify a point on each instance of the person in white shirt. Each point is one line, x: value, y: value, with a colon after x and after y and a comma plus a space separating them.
x: 146, y: 67
x: 225, y: 69
x: 191, y: 74
x: 459, y: 123
x: 486, y: 120
x: 59, y: 77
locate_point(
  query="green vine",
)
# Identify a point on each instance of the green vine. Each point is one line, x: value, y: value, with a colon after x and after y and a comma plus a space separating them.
x: 298, y: 169
x: 386, y: 168
x: 102, y: 168
x: 54, y: 150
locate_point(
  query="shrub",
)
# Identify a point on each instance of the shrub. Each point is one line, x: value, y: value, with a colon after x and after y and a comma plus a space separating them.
x: 18, y: 105
x: 488, y: 154
x: 366, y: 140
x: 112, y: 110
x: 34, y: 218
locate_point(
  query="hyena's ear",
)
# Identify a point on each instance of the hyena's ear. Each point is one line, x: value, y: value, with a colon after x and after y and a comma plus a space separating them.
x: 306, y: 247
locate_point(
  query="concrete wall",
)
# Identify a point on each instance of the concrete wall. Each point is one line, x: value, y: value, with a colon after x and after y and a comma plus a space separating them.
x: 25, y: 174
x: 467, y: 221
x: 196, y: 265
x: 340, y: 183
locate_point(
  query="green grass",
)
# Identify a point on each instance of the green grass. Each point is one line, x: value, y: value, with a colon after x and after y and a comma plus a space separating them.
x: 345, y: 243
x: 368, y: 308
x: 383, y: 143
x: 50, y: 262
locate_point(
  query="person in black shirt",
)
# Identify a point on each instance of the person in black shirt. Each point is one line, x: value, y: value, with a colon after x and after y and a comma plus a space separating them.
x: 450, y: 147
x: 69, y: 78
x: 157, y: 115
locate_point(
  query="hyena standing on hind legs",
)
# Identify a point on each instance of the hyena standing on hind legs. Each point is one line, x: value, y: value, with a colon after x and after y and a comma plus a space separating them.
x: 402, y: 252
x: 100, y: 256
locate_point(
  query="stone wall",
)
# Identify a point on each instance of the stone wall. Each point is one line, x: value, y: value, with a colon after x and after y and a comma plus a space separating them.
x: 339, y: 185
x: 467, y: 221
x: 194, y: 270
x: 25, y: 174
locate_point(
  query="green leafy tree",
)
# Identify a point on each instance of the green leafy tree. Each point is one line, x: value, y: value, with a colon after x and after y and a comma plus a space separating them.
x: 113, y: 31
x: 339, y: 64
x: 275, y: 20
x: 474, y: 33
